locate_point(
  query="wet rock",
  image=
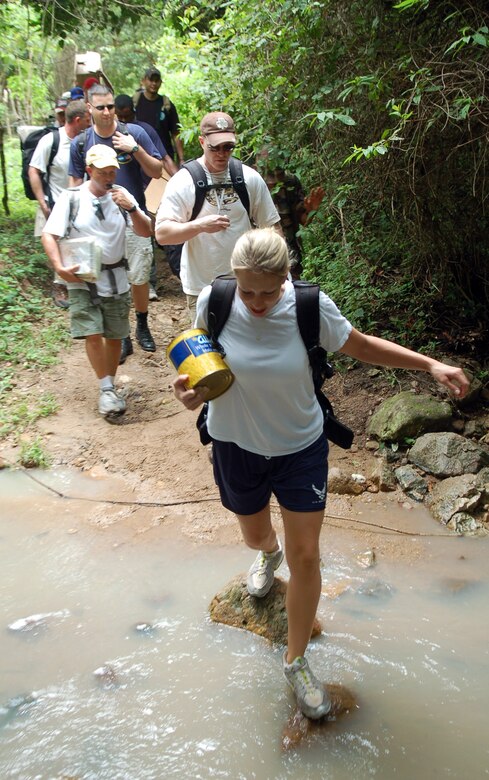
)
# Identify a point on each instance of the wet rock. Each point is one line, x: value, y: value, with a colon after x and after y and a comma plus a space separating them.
x: 411, y: 482
x: 455, y: 585
x: 465, y: 524
x: 376, y: 589
x: 37, y: 622
x: 383, y: 477
x: 448, y: 455
x: 15, y: 706
x: 298, y: 728
x: 106, y: 676
x: 366, y: 559
x: 406, y: 415
x: 144, y: 628
x: 333, y: 590
x: 342, y: 483
x: 457, y: 501
x: 266, y: 617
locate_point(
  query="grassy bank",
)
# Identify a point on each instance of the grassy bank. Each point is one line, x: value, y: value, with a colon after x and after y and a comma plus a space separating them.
x: 32, y: 330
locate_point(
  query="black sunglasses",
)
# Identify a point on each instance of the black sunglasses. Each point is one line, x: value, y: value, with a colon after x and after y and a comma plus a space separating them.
x: 221, y: 147
x: 110, y: 106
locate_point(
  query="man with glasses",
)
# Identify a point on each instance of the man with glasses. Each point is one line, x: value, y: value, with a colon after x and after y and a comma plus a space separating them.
x: 138, y: 159
x: 210, y: 237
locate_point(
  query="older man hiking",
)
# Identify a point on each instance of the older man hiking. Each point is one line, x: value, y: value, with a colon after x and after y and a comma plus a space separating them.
x: 210, y: 210
x: 99, y: 312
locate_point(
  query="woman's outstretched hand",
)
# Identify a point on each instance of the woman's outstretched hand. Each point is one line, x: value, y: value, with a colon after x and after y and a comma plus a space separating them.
x: 191, y: 399
x: 451, y: 377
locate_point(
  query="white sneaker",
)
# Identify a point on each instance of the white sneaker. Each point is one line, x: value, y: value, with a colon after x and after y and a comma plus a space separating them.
x: 153, y: 295
x: 311, y: 696
x: 109, y: 403
x: 261, y: 574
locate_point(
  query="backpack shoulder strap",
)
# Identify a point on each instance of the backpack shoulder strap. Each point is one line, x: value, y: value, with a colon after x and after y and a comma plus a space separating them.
x: 237, y: 177
x: 81, y: 140
x: 74, y: 195
x: 52, y: 155
x: 54, y: 147
x: 307, y: 303
x: 122, y: 128
x: 219, y: 306
x: 200, y: 183
x: 307, y: 308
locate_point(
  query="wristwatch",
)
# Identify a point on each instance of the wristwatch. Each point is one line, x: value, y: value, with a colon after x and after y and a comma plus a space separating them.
x: 135, y: 149
x: 131, y: 210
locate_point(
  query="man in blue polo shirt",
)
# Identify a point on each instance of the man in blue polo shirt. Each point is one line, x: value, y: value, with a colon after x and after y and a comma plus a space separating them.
x: 138, y: 159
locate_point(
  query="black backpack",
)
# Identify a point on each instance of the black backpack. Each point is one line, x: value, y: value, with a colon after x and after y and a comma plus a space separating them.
x: 307, y: 307
x: 201, y: 186
x: 27, y: 149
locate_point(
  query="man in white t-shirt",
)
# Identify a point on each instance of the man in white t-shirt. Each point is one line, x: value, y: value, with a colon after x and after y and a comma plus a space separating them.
x: 97, y: 211
x: 209, y: 239
x: 77, y: 118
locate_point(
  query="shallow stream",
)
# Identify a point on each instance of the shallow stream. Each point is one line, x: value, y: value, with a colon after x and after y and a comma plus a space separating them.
x: 120, y: 675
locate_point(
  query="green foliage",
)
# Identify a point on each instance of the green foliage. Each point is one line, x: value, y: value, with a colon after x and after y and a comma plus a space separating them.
x: 383, y: 104
x: 31, y: 329
x: 33, y: 456
x: 56, y: 18
x: 387, y: 110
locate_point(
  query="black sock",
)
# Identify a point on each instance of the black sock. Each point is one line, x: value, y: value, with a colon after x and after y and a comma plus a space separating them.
x: 142, y: 317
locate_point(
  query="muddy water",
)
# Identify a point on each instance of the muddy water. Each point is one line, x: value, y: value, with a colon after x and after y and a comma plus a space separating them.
x: 119, y: 674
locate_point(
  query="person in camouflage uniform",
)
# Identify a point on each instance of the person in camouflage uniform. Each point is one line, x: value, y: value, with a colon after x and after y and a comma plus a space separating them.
x: 293, y: 206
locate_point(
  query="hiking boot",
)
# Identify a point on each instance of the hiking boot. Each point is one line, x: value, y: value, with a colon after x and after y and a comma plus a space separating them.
x: 144, y: 337
x: 126, y: 349
x: 311, y: 696
x: 261, y: 575
x: 153, y: 295
x: 109, y: 403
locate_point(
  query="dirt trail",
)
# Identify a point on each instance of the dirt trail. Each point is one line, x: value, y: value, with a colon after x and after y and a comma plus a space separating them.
x: 154, y: 448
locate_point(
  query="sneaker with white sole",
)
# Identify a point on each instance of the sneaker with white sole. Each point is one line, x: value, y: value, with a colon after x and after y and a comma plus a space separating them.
x: 110, y: 404
x: 311, y: 696
x: 261, y: 574
x: 153, y: 295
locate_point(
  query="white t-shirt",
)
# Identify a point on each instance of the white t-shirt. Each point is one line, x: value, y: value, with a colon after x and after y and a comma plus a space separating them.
x: 208, y: 254
x: 110, y: 232
x: 271, y: 408
x: 58, y: 172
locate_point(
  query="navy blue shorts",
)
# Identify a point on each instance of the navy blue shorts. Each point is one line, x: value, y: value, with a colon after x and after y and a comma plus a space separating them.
x: 246, y: 481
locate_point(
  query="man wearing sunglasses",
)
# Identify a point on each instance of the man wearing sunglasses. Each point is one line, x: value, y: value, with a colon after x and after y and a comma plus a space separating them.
x: 210, y: 237
x: 138, y: 159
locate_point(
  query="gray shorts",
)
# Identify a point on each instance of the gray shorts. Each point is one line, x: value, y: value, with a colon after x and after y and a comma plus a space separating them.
x: 109, y: 319
x: 139, y: 253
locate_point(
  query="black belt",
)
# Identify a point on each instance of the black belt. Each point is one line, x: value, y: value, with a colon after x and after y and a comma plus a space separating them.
x: 92, y: 287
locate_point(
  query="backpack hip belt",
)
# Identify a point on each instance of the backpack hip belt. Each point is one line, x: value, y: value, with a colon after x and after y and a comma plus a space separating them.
x: 92, y: 287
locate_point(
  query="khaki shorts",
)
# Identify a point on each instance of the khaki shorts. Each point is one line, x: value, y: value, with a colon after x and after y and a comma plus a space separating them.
x: 109, y: 319
x: 192, y: 307
x: 139, y: 253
